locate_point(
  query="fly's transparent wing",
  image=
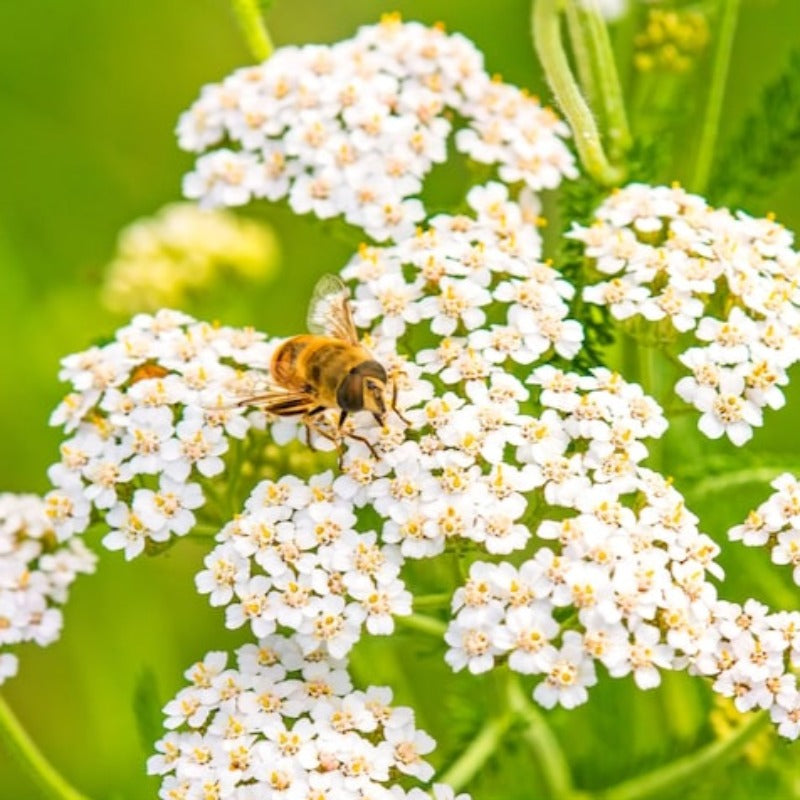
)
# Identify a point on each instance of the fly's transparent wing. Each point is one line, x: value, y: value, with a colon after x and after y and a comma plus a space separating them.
x: 329, y: 311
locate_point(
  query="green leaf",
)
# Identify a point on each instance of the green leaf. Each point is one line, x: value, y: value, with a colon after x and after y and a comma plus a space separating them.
x: 766, y: 147
x: 147, y: 709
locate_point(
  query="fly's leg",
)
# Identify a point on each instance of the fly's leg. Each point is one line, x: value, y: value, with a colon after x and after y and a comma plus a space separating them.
x: 361, y: 439
x: 312, y: 424
x: 349, y: 435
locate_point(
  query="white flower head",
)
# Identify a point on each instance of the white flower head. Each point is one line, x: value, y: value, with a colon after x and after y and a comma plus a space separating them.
x: 280, y: 720
x: 352, y: 129
x: 169, y: 411
x: 776, y: 523
x: 36, y: 571
x: 668, y: 251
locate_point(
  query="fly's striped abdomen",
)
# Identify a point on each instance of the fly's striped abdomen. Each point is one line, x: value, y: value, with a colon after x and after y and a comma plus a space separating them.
x: 330, y: 371
x: 284, y: 366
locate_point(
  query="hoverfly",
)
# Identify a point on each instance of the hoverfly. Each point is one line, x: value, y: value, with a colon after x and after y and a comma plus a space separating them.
x: 327, y: 368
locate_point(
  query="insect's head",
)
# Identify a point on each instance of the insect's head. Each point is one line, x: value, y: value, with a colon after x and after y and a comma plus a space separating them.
x: 364, y: 389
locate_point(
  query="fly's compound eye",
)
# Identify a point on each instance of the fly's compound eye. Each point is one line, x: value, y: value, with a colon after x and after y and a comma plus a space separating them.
x: 376, y: 391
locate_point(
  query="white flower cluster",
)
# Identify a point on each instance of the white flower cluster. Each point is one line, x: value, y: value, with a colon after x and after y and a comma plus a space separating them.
x: 731, y: 279
x: 36, y: 572
x: 164, y: 259
x: 284, y: 725
x: 448, y: 474
x: 625, y: 582
x: 294, y: 559
x: 622, y: 579
x: 775, y: 524
x: 152, y: 412
x: 753, y: 656
x: 149, y: 418
x: 630, y: 558
x: 453, y: 274
x: 642, y: 602
x: 352, y: 129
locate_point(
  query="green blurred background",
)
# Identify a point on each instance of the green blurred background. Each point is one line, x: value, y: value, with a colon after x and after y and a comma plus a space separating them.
x: 90, y: 91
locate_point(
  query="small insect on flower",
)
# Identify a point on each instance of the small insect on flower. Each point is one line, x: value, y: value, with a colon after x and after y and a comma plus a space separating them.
x: 148, y: 370
x: 327, y: 369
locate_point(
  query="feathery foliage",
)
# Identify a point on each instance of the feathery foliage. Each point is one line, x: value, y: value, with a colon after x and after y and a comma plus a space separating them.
x: 766, y: 147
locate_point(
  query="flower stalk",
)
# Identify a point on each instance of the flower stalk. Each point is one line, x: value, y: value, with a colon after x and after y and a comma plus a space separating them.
x: 584, y: 62
x: 550, y: 757
x: 478, y: 752
x: 423, y: 624
x: 438, y: 600
x: 716, y: 484
x: 549, y: 47
x: 671, y: 776
x: 20, y: 743
x: 716, y: 95
x: 607, y: 78
x: 254, y: 28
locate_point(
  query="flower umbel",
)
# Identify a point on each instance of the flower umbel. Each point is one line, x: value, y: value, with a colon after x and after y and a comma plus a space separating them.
x: 775, y: 524
x: 287, y: 724
x: 731, y: 279
x: 150, y: 419
x: 352, y: 129
x: 36, y: 571
x: 162, y: 261
x: 495, y: 437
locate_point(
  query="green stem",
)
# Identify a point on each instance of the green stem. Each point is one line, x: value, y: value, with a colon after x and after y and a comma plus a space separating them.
x: 629, y: 358
x: 205, y: 532
x: 739, y: 477
x: 647, y: 375
x: 423, y: 623
x: 716, y: 95
x: 582, y: 55
x: 440, y: 600
x: 235, y: 471
x: 625, y: 30
x: 253, y: 27
x: 610, y: 89
x: 23, y: 747
x: 670, y: 777
x: 458, y: 562
x: 550, y: 757
x: 478, y: 752
x: 549, y: 48
x: 649, y: 378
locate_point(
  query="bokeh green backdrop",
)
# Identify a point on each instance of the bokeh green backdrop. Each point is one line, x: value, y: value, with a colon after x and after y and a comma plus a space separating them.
x: 90, y: 91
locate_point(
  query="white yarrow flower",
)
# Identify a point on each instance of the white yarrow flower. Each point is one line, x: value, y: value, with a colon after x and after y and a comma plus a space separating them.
x: 352, y: 129
x: 36, y: 571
